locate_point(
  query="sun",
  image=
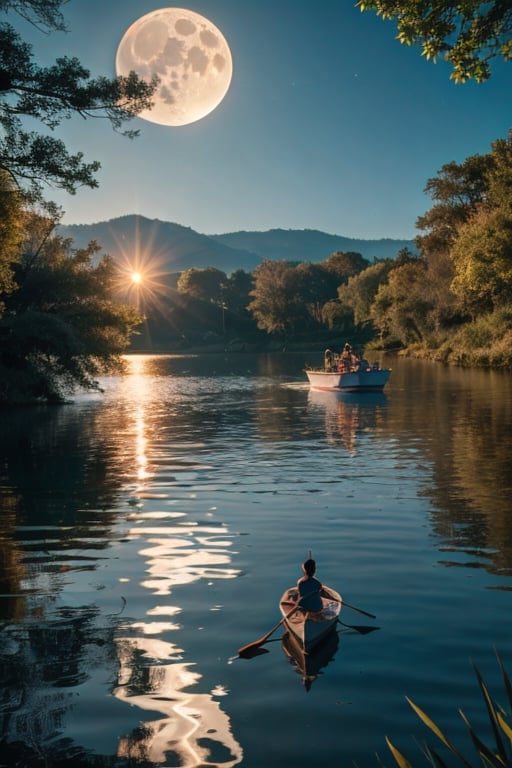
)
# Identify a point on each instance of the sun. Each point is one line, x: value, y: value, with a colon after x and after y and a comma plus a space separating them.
x: 140, y: 280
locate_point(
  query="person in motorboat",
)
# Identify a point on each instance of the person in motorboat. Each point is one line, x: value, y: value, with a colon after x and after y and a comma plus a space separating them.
x: 346, y: 353
x: 329, y: 360
x: 346, y: 359
x: 309, y: 588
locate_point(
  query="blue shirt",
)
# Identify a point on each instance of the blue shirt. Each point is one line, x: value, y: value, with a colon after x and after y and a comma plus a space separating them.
x: 309, y: 591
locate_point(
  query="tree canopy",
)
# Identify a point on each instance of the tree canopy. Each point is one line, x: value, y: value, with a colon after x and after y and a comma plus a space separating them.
x: 457, y: 191
x: 206, y: 284
x: 49, y: 95
x: 274, y: 297
x: 11, y: 220
x: 483, y: 262
x: 61, y: 327
x: 469, y: 34
x: 44, y: 14
x: 59, y: 323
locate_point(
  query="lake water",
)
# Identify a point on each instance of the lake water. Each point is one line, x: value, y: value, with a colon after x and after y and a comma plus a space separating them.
x: 148, y: 532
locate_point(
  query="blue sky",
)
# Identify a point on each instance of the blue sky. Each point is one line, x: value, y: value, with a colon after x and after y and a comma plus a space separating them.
x: 329, y: 123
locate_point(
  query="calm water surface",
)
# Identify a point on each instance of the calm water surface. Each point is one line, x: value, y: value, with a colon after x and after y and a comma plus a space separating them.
x: 147, y: 533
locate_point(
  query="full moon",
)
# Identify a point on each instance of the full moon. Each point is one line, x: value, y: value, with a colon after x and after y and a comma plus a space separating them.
x: 189, y: 55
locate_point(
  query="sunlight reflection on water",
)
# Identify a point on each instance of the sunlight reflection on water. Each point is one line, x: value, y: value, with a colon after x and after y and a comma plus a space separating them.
x: 193, y: 731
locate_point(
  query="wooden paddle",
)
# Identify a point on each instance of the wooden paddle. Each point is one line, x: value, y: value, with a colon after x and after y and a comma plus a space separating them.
x: 358, y: 628
x: 249, y: 649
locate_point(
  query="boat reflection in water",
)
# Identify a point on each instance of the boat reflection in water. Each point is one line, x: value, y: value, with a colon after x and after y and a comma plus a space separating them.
x: 310, y: 665
x: 348, y: 416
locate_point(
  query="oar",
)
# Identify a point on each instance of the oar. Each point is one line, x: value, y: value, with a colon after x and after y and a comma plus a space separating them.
x: 250, y: 648
x: 344, y: 602
x: 358, y: 628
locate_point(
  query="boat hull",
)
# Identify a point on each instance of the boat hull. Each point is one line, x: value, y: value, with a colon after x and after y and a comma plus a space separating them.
x: 370, y: 380
x: 310, y: 628
x: 309, y: 665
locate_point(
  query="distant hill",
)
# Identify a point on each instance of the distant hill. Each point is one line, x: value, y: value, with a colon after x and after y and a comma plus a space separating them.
x: 177, y: 248
x: 309, y: 244
x: 174, y: 247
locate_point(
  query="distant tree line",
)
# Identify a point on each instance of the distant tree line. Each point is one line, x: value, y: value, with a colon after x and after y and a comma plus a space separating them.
x: 280, y: 300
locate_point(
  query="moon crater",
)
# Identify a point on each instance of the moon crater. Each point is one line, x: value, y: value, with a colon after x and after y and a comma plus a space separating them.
x: 189, y: 55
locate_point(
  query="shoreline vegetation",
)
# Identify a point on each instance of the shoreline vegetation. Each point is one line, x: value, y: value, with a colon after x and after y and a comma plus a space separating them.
x: 495, y: 354
x: 493, y: 751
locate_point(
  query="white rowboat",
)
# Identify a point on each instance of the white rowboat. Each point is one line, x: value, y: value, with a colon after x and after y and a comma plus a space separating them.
x: 309, y: 627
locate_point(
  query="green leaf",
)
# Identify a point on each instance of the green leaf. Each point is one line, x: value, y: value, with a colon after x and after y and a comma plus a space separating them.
x: 434, y: 758
x: 400, y: 759
x: 491, y: 710
x: 483, y: 750
x: 506, y: 681
x: 437, y: 731
x: 505, y: 727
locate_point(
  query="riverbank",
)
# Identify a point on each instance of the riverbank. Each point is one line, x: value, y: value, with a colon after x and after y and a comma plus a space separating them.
x: 497, y: 356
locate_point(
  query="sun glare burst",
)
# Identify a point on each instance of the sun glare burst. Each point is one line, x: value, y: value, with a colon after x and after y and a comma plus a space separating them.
x: 141, y: 280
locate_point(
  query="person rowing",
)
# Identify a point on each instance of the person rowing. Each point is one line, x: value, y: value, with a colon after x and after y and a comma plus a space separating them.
x: 309, y: 588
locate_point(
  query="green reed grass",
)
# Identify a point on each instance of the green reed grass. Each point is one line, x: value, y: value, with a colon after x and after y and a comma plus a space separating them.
x: 496, y: 755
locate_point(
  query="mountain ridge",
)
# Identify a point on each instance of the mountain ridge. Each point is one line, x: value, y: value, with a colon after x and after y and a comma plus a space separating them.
x: 176, y: 247
x: 310, y: 244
